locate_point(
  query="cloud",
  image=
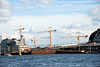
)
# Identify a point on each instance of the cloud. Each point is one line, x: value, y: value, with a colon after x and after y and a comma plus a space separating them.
x: 39, y: 3
x: 28, y: 2
x: 95, y: 14
x: 5, y: 11
x: 3, y: 35
x: 31, y: 30
x: 73, y: 31
x: 71, y: 2
x: 15, y: 35
x: 28, y: 36
x: 77, y: 25
x: 47, y: 2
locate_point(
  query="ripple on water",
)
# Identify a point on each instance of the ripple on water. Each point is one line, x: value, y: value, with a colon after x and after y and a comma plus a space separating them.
x: 51, y: 60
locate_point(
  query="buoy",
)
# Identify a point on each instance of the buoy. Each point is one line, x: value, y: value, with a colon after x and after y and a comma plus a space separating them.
x: 20, y: 53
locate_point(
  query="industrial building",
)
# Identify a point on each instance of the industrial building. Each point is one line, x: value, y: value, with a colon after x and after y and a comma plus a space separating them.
x: 13, y: 45
x: 95, y: 36
x: 94, y: 42
x: 2, y: 36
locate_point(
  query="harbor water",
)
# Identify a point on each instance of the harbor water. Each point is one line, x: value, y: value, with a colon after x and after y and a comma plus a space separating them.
x: 51, y: 60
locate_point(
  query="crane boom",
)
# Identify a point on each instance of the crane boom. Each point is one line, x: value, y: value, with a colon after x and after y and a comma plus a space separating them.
x: 74, y: 36
x: 45, y: 37
x: 78, y: 37
x: 47, y: 31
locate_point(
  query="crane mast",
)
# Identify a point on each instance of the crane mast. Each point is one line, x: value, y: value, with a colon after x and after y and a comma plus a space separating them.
x: 20, y: 31
x: 35, y: 41
x: 50, y: 39
x: 78, y: 38
x: 50, y: 36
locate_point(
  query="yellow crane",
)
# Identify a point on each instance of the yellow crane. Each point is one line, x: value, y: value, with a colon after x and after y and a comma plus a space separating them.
x: 35, y: 41
x: 78, y: 37
x: 20, y: 31
x: 49, y: 35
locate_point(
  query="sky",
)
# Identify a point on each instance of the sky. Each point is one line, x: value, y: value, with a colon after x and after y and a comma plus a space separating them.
x: 66, y: 16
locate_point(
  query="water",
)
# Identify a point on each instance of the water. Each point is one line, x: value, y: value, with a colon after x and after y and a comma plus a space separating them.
x: 51, y: 60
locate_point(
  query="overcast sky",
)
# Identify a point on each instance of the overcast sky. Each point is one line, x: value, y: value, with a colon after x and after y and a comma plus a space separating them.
x: 67, y: 16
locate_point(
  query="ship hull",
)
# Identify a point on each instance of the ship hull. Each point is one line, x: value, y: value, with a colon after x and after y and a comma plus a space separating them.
x: 17, y: 53
x: 68, y: 51
x: 43, y: 52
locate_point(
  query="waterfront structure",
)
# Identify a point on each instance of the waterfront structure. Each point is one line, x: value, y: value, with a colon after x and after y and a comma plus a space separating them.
x: 2, y: 36
x: 93, y: 46
x: 95, y: 36
x: 68, y: 47
x: 13, y: 45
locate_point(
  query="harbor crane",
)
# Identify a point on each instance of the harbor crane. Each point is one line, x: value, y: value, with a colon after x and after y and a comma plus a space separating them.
x: 49, y: 35
x: 78, y: 37
x: 20, y: 31
x: 35, y: 41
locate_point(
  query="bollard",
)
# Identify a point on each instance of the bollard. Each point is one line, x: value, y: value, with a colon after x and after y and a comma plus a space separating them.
x: 20, y: 53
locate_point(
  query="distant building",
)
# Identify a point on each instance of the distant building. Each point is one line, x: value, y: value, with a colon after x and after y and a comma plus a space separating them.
x: 0, y: 38
x: 13, y: 45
